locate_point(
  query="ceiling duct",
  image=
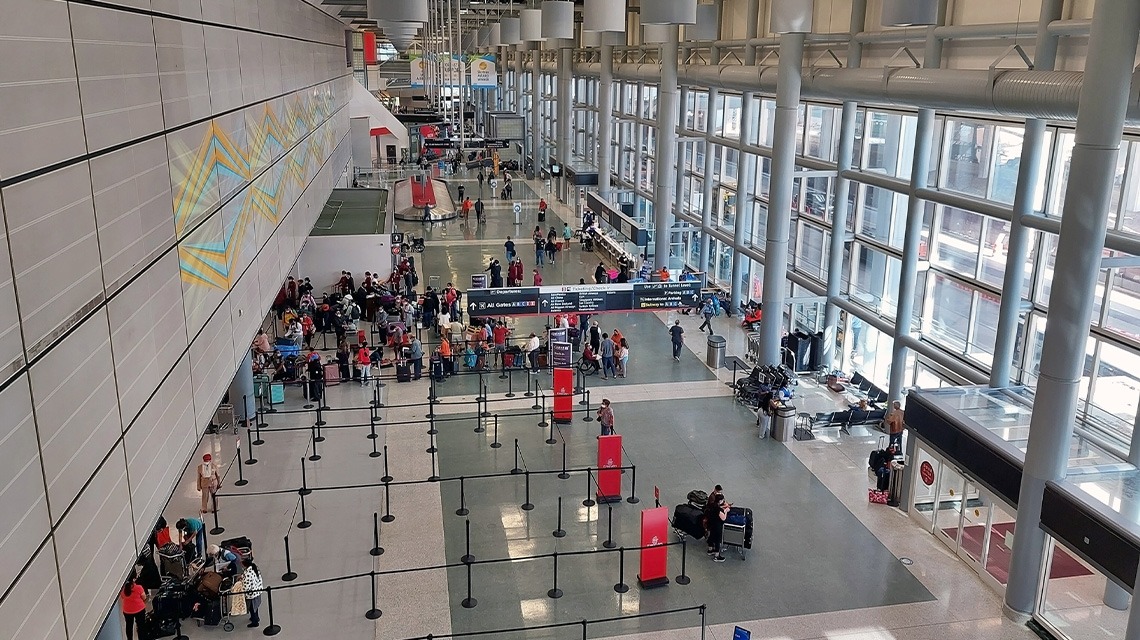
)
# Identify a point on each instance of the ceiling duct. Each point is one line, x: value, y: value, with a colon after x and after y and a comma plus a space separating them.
x: 792, y: 16
x: 909, y: 13
x: 531, y: 24
x: 668, y: 12
x: 398, y: 10
x: 604, y: 15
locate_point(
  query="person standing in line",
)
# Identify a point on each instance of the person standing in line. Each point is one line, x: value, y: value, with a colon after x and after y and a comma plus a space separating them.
x: 364, y: 363
x: 607, y: 353
x: 595, y: 336
x: 707, y: 312
x: 677, y: 336
x: 416, y: 355
x: 716, y: 512
x: 894, y: 422
x: 209, y: 480
x: 531, y: 350
x: 539, y: 249
x: 132, y: 600
x: 623, y: 358
x: 252, y: 584
x: 606, y: 417
x: 551, y: 245
x: 509, y: 245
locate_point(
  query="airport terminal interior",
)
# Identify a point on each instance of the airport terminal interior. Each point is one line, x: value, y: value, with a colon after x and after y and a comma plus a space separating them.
x: 549, y: 319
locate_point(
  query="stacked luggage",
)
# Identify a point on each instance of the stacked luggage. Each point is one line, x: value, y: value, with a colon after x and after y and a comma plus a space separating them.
x: 738, y: 529
x: 689, y: 518
x: 885, y: 464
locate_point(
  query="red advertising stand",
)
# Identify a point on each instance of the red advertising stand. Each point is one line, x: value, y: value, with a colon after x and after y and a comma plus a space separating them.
x: 654, y: 552
x: 564, y: 395
x: 609, y: 469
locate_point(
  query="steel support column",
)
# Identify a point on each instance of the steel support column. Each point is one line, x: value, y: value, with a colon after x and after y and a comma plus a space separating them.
x: 842, y: 187
x: 520, y: 109
x: 565, y: 104
x: 745, y: 192
x: 707, y: 184
x: 1028, y: 174
x: 664, y: 196
x: 1100, y: 123
x: 535, y: 108
x: 788, y: 84
x: 605, y: 122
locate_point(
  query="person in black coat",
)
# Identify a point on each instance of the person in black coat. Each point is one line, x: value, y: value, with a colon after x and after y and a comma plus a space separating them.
x: 600, y: 274
x: 496, y: 270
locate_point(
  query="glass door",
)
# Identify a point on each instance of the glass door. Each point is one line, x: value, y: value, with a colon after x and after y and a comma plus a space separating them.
x: 948, y: 509
x: 924, y: 490
x: 973, y: 539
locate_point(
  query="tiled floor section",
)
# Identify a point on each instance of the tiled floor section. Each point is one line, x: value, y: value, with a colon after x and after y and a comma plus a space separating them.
x: 818, y: 530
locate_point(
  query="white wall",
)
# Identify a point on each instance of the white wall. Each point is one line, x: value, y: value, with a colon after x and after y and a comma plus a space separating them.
x: 324, y: 257
x: 132, y: 281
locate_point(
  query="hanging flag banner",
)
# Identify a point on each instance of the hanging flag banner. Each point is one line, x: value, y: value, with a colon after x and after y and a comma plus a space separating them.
x: 453, y: 71
x: 418, y: 66
x: 654, y: 553
x: 609, y: 469
x: 563, y: 393
x: 484, y: 73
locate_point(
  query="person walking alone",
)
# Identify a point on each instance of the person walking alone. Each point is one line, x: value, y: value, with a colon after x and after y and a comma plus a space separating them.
x: 252, y: 585
x: 707, y: 311
x: 677, y: 336
x: 606, y: 417
x: 209, y: 480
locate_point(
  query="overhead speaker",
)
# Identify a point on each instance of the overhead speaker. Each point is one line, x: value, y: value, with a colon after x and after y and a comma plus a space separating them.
x: 531, y: 24
x: 604, y: 15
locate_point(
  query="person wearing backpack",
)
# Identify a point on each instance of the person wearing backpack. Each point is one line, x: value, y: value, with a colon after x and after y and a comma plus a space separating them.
x: 707, y: 312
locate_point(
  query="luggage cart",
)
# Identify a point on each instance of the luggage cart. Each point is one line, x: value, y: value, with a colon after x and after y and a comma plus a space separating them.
x: 172, y: 561
x: 734, y: 537
x: 738, y: 534
x: 233, y: 604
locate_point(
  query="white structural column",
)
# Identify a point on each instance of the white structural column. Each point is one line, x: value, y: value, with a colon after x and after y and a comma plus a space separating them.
x: 1100, y: 123
x: 912, y: 229
x: 707, y: 203
x: 605, y: 121
x: 565, y: 103
x: 664, y: 196
x: 843, y: 186
x: 746, y: 184
x: 535, y: 107
x: 520, y: 108
x: 788, y: 82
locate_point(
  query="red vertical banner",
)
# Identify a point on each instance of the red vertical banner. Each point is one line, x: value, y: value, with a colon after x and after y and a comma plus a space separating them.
x: 609, y: 469
x: 654, y: 552
x: 369, y: 47
x: 563, y: 395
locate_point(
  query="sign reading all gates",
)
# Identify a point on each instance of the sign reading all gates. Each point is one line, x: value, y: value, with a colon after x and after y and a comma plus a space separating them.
x: 609, y: 469
x: 591, y: 298
x: 563, y: 394
x: 654, y: 552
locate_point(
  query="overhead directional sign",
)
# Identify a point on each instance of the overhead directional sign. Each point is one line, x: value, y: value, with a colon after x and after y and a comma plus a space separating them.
x: 590, y: 298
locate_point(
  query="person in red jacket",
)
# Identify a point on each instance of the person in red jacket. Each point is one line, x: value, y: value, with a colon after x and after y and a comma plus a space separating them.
x: 537, y: 278
x: 132, y: 600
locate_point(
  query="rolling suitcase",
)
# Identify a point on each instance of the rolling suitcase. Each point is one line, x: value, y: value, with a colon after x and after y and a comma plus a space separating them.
x: 741, y: 517
x: 332, y: 375
x: 403, y: 371
x: 689, y: 520
x: 276, y: 393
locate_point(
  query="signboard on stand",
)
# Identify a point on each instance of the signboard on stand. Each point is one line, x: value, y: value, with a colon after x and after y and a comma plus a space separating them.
x: 609, y: 469
x: 478, y: 281
x: 654, y: 552
x: 561, y: 354
x: 516, y: 208
x: 563, y: 392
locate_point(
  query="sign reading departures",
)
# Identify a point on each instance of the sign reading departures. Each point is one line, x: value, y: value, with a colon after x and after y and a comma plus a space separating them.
x: 592, y: 298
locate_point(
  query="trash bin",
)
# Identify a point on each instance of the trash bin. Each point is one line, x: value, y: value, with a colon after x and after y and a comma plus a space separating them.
x: 784, y: 423
x: 714, y: 355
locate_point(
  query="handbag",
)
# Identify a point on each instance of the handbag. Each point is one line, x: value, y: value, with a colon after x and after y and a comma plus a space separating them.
x: 876, y: 496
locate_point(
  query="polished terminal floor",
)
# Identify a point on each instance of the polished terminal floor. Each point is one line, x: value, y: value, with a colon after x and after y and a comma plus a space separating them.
x: 824, y: 564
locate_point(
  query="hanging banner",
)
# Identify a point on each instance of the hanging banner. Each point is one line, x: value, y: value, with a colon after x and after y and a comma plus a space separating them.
x: 563, y: 393
x: 609, y: 471
x: 418, y: 65
x: 453, y: 70
x: 484, y: 73
x: 654, y: 553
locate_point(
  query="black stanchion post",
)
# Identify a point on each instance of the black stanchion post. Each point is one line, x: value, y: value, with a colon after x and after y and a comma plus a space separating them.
x: 374, y: 453
x: 273, y: 629
x: 374, y: 612
x: 304, y: 523
x: 734, y: 374
x: 516, y: 468
x: 564, y: 475
x: 480, y: 413
x: 609, y: 543
x: 432, y: 398
x: 372, y: 420
x: 388, y: 517
x: 551, y: 439
x: 376, y: 548
x: 241, y: 481
x: 588, y: 418
x: 559, y: 532
x: 308, y: 399
x: 527, y: 506
x: 585, y: 392
x: 621, y: 586
x: 178, y: 635
x: 528, y: 392
x: 313, y: 436
x: 469, y: 602
x: 434, y: 477
x: 485, y: 413
x: 633, y: 499
x: 542, y: 414
x: 683, y: 579
x: 589, y: 501
x: 431, y: 444
x: 467, y: 557
x: 430, y: 415
x: 387, y: 477
x: 305, y: 490
x: 218, y: 529
x: 289, y: 576
x: 257, y: 441
x: 249, y: 459
x: 555, y: 592
x: 510, y: 383
x: 538, y: 397
x: 482, y: 388
x: 495, y: 444
x: 462, y: 510
x: 703, y: 625
x: 585, y: 626
x: 323, y: 402
x: 320, y: 423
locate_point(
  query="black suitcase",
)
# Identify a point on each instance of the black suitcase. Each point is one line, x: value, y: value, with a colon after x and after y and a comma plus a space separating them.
x: 690, y: 520
x: 153, y: 627
x: 403, y: 372
x: 212, y: 612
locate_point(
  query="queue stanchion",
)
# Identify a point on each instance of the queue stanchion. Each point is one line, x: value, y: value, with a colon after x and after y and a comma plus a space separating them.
x: 609, y: 543
x: 633, y: 499
x: 485, y: 413
x: 528, y: 392
x: 313, y: 436
x: 462, y: 510
x: 585, y: 392
x: 434, y: 477
x: 683, y: 578
x: 510, y: 383
x: 320, y: 423
x: 528, y: 505
x: 218, y: 529
x: 304, y: 523
x: 579, y: 381
x: 289, y: 575
x: 588, y: 418
x: 564, y: 475
x: 542, y: 413
x: 480, y: 413
x: 308, y: 395
x: 273, y: 629
x: 555, y: 592
x: 241, y: 481
x: 467, y: 557
x: 621, y: 586
x: 324, y: 405
x: 376, y: 549
x: 249, y: 459
x: 432, y: 397
x: 374, y: 453
x: 559, y: 532
x: 502, y: 367
x: 305, y: 490
x: 516, y: 469
x: 482, y: 387
x: 373, y: 613
x: 551, y: 439
x: 469, y: 602
x: 372, y: 420
x: 589, y: 501
x: 387, y: 517
x: 387, y: 477
x: 537, y: 397
x: 495, y: 444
